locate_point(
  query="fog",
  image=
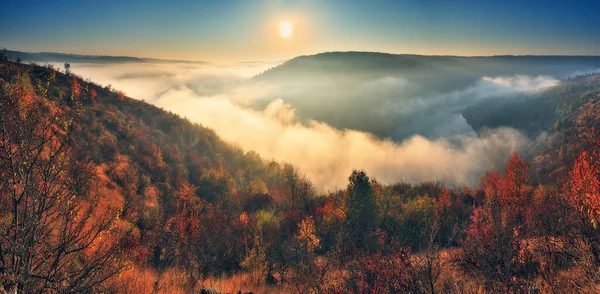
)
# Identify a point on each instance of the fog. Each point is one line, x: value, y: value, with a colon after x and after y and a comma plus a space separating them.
x: 427, y: 138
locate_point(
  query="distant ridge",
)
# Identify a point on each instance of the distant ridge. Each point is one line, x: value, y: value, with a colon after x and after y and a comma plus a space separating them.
x: 67, y: 57
x: 381, y: 64
x: 440, y: 55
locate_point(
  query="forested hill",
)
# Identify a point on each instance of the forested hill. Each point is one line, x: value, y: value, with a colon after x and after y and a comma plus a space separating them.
x: 533, y: 113
x: 158, y: 145
x: 351, y: 65
x: 398, y: 95
x: 568, y: 113
x: 157, y: 169
x: 101, y: 193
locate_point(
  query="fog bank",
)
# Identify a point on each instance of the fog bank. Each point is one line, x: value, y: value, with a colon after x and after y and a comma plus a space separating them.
x: 224, y: 98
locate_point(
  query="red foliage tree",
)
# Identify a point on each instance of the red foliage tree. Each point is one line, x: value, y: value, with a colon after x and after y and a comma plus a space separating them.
x: 92, y: 94
x: 493, y: 247
x: 490, y: 183
x: 583, y: 188
x: 511, y: 192
x: 388, y: 270
x: 514, y: 187
x: 495, y: 252
x: 444, y: 201
x: 75, y: 88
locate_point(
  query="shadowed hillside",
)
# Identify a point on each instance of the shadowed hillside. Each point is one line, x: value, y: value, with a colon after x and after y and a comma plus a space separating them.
x: 350, y: 65
x: 534, y: 113
x: 564, y: 113
x: 397, y: 96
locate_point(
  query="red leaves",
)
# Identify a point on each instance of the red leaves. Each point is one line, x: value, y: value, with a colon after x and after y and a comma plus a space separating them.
x: 482, y: 229
x: 514, y: 184
x: 510, y: 192
x: 244, y: 219
x: 444, y: 201
x: 75, y: 88
x: 121, y: 96
x: 493, y: 245
x: 186, y: 222
x: 583, y: 188
x: 92, y: 94
x: 491, y: 183
x: 331, y: 212
x: 382, y: 273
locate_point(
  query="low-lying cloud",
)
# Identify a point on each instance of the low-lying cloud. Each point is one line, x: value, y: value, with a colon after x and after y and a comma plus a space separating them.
x: 222, y: 98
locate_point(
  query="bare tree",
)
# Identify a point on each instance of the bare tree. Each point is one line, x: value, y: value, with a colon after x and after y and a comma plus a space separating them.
x: 297, y: 187
x: 53, y: 236
x: 67, y: 68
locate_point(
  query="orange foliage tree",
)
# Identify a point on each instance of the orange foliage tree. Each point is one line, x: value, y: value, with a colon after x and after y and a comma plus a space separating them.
x: 121, y: 96
x: 75, y: 88
x: 92, y: 94
x: 50, y: 224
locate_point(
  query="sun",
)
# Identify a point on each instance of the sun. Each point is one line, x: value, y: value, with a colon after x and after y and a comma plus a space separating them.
x: 285, y: 29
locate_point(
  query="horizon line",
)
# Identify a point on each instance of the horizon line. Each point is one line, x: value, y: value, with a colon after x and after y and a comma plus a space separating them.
x: 308, y: 55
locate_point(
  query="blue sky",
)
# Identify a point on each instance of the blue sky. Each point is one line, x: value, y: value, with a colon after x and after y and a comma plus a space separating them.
x: 243, y: 30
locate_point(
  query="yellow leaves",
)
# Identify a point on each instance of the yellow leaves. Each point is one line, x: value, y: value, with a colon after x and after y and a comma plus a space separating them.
x: 307, y: 234
x: 258, y: 186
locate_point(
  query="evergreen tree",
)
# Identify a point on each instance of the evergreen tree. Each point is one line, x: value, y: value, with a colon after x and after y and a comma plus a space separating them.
x: 361, y: 209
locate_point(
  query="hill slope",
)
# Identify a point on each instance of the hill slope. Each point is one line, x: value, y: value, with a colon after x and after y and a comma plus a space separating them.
x: 125, y: 197
x: 397, y: 96
x: 351, y: 65
x: 567, y: 113
x: 157, y: 167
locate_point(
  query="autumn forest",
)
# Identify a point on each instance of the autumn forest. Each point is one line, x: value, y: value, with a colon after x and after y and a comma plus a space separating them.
x: 285, y: 146
x: 103, y: 193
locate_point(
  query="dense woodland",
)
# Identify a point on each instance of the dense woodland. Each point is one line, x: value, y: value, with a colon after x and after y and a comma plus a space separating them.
x: 103, y: 193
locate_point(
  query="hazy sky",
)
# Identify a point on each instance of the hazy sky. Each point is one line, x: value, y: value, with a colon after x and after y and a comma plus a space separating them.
x: 247, y: 30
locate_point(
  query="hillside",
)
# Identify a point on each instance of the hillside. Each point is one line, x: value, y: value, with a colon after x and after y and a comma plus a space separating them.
x: 397, y: 96
x: 145, y: 159
x: 566, y: 113
x: 534, y: 113
x: 332, y: 64
x: 100, y: 192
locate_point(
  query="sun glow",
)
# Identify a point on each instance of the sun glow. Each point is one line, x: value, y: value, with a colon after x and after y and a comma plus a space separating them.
x: 285, y: 29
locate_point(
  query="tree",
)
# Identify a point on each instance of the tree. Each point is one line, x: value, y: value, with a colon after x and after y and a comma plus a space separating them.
x: 495, y: 253
x: 583, y: 188
x: 67, y: 68
x: 261, y: 259
x: 418, y: 223
x: 121, y: 96
x: 361, y: 208
x: 514, y: 187
x: 309, y: 272
x: 75, y: 88
x: 494, y: 246
x: 92, y: 94
x: 388, y: 270
x: 307, y: 235
x: 55, y: 235
x: 295, y: 186
x: 582, y: 191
